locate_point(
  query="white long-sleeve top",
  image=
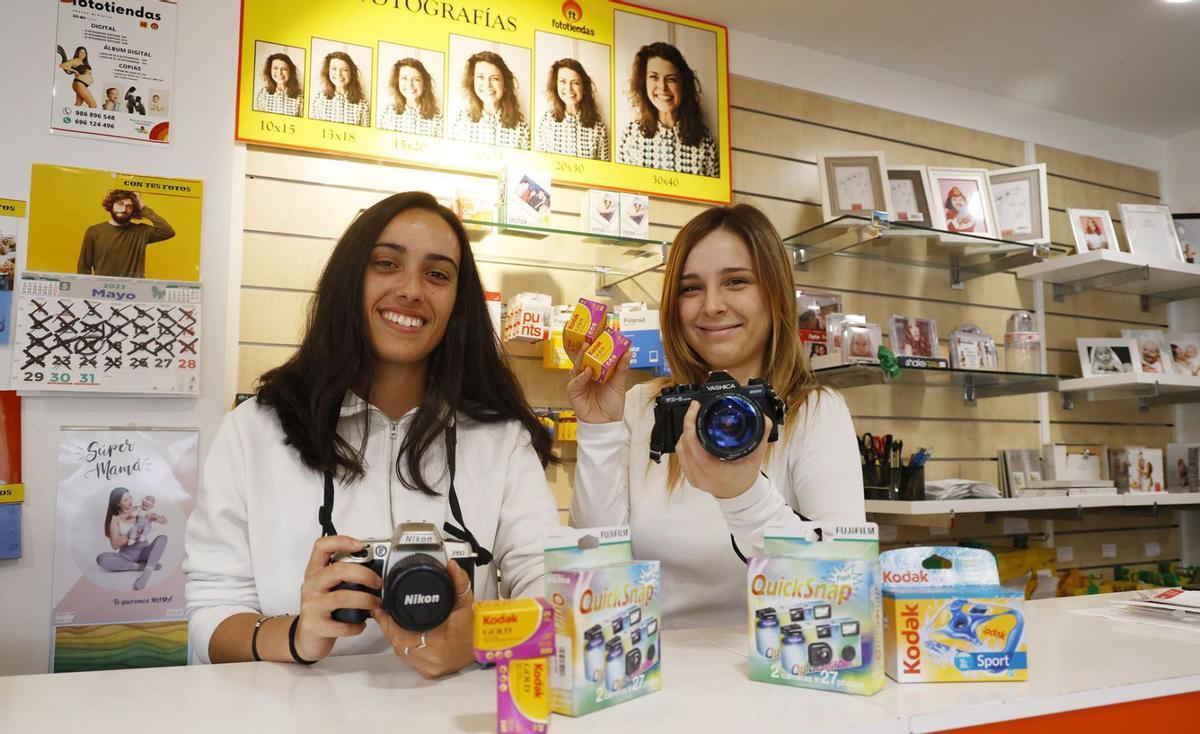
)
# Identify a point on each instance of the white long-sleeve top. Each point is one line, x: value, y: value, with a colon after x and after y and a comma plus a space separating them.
x: 814, y: 469
x: 251, y: 533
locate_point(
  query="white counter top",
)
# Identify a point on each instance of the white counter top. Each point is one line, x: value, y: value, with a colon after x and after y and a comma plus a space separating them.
x: 1076, y: 661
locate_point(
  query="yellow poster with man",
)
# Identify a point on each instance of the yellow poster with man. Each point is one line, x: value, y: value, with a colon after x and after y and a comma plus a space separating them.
x: 114, y: 225
x: 600, y: 93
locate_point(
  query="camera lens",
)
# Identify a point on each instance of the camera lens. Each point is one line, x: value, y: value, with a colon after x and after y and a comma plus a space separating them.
x: 730, y: 427
x: 820, y: 653
x: 418, y: 593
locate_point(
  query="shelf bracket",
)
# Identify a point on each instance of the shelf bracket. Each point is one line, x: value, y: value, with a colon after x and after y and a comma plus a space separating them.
x: 969, y: 390
x: 1144, y: 301
x: 960, y: 274
x: 1101, y: 282
x: 1068, y: 401
x: 605, y: 285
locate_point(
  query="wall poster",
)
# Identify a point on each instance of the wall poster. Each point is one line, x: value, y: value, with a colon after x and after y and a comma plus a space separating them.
x: 600, y: 93
x: 114, y: 67
x: 124, y: 497
x: 12, y: 221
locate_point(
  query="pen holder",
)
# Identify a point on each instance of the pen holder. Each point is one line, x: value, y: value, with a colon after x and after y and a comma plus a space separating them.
x: 912, y: 483
x: 878, y: 482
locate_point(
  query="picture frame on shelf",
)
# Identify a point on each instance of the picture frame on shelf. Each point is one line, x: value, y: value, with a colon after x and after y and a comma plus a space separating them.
x: 1104, y: 357
x: 971, y: 349
x: 913, y: 337
x: 1021, y: 202
x: 853, y: 183
x: 908, y: 188
x: 962, y: 201
x: 1153, y: 350
x: 1093, y: 230
x: 860, y: 343
x: 1150, y: 231
x: 1187, y: 229
x: 1184, y: 351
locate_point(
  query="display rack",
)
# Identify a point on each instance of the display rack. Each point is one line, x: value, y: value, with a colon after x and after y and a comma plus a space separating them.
x: 973, y: 383
x: 1122, y: 272
x: 964, y: 256
x: 1030, y: 504
x: 1147, y: 388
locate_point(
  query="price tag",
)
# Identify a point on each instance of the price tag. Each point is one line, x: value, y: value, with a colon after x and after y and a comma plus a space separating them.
x: 1016, y: 526
x: 1108, y: 550
x: 1064, y: 553
x: 1153, y: 550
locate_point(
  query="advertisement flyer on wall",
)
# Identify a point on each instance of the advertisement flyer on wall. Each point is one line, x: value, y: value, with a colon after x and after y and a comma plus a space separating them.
x: 114, y: 67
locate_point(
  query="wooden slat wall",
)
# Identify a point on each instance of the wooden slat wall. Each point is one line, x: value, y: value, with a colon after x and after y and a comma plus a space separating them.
x: 297, y: 205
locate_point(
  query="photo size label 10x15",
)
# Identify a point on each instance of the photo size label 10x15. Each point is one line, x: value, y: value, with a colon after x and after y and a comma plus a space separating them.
x: 88, y: 334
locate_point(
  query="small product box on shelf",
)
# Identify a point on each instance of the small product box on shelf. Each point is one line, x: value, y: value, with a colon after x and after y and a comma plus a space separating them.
x: 635, y: 216
x: 640, y: 325
x: 601, y: 213
x: 495, y: 307
x: 554, y: 353
x: 948, y: 618
x: 585, y: 323
x: 604, y: 354
x: 479, y: 199
x: 814, y: 612
x: 517, y: 635
x: 527, y: 317
x: 527, y: 199
x: 606, y: 618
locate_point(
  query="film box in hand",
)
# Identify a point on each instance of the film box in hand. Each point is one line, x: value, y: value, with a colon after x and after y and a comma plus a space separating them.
x: 602, y: 357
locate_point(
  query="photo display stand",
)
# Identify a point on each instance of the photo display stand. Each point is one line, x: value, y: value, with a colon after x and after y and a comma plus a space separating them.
x: 92, y: 335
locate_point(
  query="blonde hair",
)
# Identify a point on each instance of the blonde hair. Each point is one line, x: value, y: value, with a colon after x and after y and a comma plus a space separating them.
x: 785, y: 364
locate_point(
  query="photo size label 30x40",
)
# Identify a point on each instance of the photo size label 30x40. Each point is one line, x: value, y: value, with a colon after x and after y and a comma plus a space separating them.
x: 86, y: 334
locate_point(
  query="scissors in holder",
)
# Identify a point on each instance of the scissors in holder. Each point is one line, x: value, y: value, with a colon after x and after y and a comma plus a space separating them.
x: 872, y: 448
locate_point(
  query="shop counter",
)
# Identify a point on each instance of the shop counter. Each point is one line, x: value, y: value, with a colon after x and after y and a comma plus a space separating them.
x: 1077, y: 663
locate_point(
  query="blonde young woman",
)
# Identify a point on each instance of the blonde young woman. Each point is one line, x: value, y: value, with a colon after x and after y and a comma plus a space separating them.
x: 728, y: 303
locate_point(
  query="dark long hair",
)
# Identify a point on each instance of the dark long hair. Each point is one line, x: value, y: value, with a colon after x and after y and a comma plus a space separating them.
x: 427, y: 102
x: 83, y: 65
x: 467, y: 372
x: 293, y: 84
x: 354, y: 92
x: 691, y: 118
x: 588, y: 114
x: 510, y: 108
x: 114, y: 506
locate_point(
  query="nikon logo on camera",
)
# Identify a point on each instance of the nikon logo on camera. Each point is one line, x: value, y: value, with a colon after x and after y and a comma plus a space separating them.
x: 421, y: 599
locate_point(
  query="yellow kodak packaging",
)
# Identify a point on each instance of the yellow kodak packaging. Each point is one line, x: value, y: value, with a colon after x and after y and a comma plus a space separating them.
x: 585, y: 323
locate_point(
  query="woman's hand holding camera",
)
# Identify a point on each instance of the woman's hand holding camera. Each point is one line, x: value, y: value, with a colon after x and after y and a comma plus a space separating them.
x: 598, y: 402
x: 317, y: 630
x: 443, y: 650
x: 722, y: 479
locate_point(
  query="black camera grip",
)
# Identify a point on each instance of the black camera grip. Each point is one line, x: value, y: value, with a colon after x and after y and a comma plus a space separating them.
x: 352, y: 616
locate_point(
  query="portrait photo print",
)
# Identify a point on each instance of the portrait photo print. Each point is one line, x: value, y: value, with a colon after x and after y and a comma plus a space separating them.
x: 572, y: 97
x: 1093, y: 230
x: 410, y: 91
x: 279, y: 78
x: 339, y: 82
x: 1106, y: 357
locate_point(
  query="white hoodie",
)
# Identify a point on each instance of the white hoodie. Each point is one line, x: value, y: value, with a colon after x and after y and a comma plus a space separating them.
x: 251, y: 533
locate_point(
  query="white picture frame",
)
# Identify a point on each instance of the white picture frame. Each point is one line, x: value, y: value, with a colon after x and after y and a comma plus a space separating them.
x: 853, y: 184
x: 913, y: 337
x: 1184, y: 353
x: 1153, y: 350
x: 860, y: 343
x: 1021, y: 203
x: 1106, y: 357
x: 1150, y: 231
x: 976, y: 214
x: 908, y: 190
x: 1093, y: 230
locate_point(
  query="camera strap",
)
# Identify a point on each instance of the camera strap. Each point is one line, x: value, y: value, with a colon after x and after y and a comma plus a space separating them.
x: 733, y: 541
x: 482, y: 556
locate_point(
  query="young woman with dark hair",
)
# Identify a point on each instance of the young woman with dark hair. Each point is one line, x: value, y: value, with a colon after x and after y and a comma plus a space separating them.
x: 397, y: 407
x: 281, y: 92
x: 728, y: 303
x: 572, y: 125
x: 493, y: 114
x: 78, y: 67
x: 669, y: 132
x: 341, y: 97
x: 414, y: 106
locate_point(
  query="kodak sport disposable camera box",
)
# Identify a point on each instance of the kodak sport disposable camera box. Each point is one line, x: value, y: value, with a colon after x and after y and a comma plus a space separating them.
x: 947, y: 617
x: 814, y: 617
x: 608, y: 649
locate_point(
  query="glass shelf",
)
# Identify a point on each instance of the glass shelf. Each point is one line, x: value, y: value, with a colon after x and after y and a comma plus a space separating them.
x: 965, y: 256
x: 478, y: 228
x: 973, y: 383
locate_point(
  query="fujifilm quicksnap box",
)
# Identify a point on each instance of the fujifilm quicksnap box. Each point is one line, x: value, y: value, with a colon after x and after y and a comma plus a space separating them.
x: 947, y: 617
x: 814, y: 612
x: 608, y: 649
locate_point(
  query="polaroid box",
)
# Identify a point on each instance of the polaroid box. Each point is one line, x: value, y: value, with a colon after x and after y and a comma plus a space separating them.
x: 517, y: 635
x: 814, y: 612
x: 527, y: 317
x: 584, y: 324
x: 635, y: 216
x: 640, y: 326
x: 554, y: 353
x: 948, y: 619
x: 606, y: 620
x: 479, y: 199
x: 527, y: 197
x: 601, y: 213
x: 602, y: 357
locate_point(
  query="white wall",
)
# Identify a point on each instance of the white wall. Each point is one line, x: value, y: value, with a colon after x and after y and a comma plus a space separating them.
x: 837, y: 76
x: 1182, y: 176
x: 201, y: 147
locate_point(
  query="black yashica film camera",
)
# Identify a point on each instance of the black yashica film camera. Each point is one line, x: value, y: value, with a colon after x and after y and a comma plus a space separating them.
x: 417, y: 590
x: 730, y: 423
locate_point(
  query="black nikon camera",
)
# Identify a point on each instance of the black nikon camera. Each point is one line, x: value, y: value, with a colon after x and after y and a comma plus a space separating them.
x: 731, y: 422
x: 417, y: 590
